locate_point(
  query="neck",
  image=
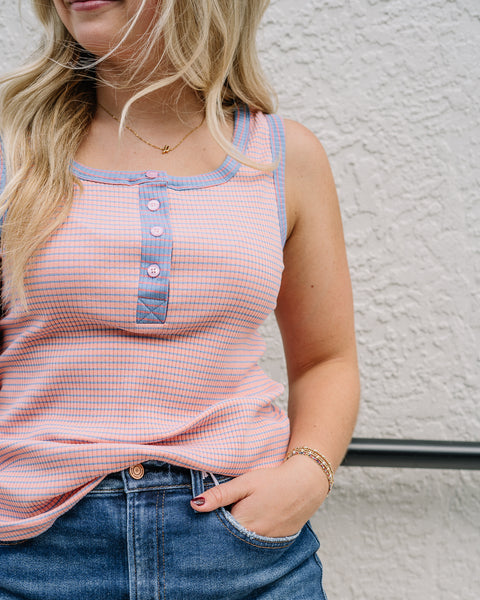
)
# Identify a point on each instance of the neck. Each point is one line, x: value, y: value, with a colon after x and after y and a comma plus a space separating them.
x: 173, y: 103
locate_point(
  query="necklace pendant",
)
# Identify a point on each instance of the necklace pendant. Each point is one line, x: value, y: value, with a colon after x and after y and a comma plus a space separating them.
x: 166, y: 149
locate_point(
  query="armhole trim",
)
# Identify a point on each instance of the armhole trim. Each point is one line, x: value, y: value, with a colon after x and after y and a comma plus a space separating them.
x: 277, y: 141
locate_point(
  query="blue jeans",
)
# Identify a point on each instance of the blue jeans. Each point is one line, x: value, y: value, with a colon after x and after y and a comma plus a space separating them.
x: 139, y: 539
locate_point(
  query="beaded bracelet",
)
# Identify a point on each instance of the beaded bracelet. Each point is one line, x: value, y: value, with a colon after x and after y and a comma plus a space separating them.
x: 318, y: 458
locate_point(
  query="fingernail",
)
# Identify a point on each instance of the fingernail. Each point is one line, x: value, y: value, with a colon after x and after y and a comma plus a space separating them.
x: 199, y: 501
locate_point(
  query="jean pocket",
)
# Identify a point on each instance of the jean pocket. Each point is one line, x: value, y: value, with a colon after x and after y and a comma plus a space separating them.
x: 250, y: 537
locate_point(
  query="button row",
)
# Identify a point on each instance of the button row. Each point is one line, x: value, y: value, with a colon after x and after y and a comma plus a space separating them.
x: 156, y: 230
x: 154, y: 270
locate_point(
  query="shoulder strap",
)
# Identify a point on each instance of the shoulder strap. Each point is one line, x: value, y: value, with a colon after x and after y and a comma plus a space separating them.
x: 277, y: 141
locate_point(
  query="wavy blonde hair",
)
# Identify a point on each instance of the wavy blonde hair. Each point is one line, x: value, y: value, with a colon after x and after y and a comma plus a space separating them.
x: 47, y: 106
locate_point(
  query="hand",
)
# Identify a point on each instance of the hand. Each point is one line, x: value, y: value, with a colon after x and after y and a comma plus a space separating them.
x: 275, y: 502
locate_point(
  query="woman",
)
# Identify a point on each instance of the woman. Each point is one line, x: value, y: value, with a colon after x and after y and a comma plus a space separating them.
x: 154, y: 212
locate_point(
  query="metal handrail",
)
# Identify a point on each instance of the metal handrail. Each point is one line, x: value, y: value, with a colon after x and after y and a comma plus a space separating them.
x: 419, y: 454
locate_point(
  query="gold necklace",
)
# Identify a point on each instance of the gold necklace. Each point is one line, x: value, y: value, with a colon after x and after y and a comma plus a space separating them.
x: 164, y: 149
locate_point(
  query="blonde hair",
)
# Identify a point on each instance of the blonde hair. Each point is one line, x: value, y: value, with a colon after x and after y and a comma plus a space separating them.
x: 46, y: 107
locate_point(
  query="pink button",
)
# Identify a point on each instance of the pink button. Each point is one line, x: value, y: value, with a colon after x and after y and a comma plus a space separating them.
x: 151, y: 174
x: 153, y: 205
x: 153, y: 271
x: 156, y: 230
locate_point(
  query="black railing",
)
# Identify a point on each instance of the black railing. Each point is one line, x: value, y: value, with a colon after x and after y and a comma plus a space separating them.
x: 420, y: 454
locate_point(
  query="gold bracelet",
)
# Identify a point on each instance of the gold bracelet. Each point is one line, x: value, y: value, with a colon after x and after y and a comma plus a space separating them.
x: 323, y: 463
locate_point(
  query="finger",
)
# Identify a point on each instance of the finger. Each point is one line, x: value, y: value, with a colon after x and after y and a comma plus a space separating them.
x: 220, y: 495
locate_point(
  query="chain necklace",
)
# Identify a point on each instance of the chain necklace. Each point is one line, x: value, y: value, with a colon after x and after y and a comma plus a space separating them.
x: 164, y: 149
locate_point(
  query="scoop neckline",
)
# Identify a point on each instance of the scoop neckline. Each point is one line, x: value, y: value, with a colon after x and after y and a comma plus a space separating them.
x: 221, y: 174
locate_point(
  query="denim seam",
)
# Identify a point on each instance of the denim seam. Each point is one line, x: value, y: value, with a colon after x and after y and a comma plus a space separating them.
x: 312, y: 533
x: 265, y: 545
x: 134, y: 549
x: 163, y: 548
x: 154, y: 488
x: 100, y: 492
x: 156, y: 540
x: 318, y: 561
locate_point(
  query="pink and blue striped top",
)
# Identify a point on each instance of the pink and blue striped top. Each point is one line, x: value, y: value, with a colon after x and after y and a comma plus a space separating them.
x: 141, y: 340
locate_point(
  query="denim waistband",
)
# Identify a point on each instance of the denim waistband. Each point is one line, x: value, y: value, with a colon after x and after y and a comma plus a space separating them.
x: 157, y: 475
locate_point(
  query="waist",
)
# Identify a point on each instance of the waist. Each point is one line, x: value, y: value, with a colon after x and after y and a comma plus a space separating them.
x: 152, y: 475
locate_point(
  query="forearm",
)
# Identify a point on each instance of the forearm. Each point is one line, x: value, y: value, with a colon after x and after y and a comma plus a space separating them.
x: 277, y: 501
x: 323, y: 406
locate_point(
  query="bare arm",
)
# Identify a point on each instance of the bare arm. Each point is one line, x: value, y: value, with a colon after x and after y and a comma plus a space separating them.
x: 315, y: 316
x: 315, y: 307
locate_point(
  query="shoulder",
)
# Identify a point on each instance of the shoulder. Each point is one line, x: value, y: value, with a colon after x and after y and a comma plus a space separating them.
x: 308, y: 175
x: 305, y: 156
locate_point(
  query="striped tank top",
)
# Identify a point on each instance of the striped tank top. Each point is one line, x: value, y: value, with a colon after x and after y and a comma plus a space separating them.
x: 141, y: 337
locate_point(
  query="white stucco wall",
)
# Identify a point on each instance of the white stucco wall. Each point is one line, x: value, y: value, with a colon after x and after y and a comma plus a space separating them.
x: 391, y: 88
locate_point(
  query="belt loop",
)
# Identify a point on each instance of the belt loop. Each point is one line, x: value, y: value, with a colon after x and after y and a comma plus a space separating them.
x: 197, y: 483
x: 126, y: 486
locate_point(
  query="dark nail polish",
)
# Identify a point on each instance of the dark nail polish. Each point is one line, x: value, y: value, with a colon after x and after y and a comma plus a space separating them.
x: 199, y: 500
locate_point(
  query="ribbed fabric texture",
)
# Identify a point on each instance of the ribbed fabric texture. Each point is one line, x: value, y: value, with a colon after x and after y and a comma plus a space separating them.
x: 141, y: 341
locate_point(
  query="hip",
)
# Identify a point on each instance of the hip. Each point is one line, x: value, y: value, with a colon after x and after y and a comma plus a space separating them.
x: 136, y: 536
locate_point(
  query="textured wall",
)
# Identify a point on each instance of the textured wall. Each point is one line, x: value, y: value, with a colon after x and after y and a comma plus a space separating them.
x: 392, y: 90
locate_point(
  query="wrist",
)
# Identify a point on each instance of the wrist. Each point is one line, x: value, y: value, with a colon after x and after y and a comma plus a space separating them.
x: 306, y: 474
x: 322, y: 463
